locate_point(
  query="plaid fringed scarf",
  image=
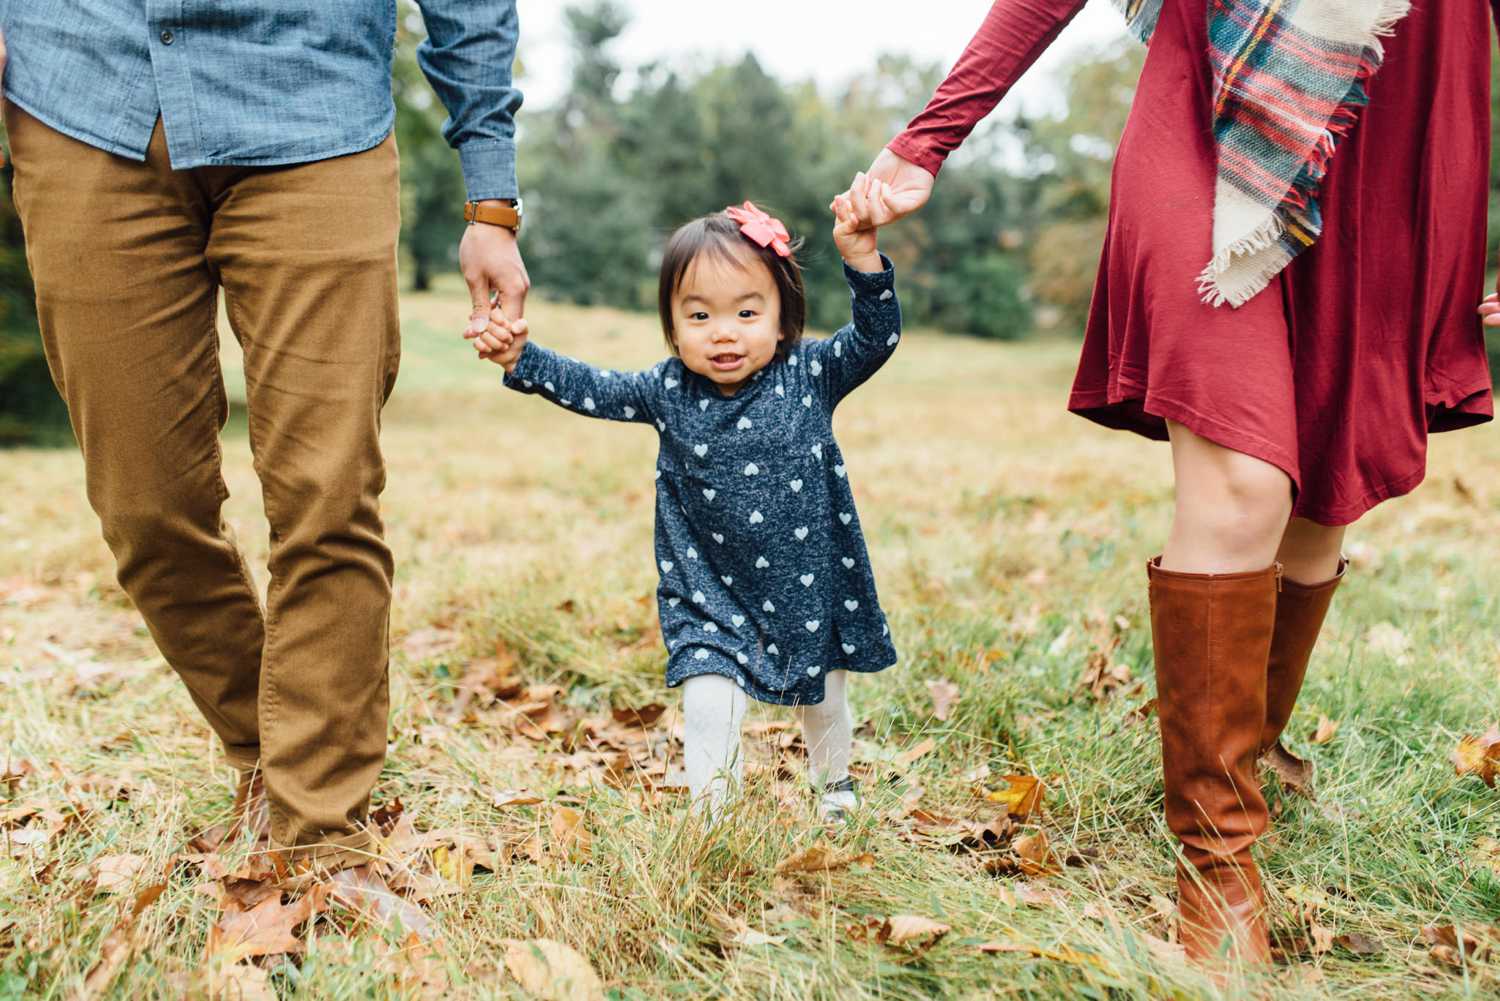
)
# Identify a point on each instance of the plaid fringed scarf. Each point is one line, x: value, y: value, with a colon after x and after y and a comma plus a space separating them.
x: 1289, y: 81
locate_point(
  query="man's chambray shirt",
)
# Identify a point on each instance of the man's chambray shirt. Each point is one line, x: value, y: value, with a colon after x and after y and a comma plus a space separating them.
x: 262, y: 82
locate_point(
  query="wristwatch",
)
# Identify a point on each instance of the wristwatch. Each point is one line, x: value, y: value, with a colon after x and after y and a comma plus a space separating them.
x: 508, y: 215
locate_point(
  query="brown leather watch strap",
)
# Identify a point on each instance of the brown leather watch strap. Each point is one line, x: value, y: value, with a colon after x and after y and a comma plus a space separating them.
x: 494, y: 215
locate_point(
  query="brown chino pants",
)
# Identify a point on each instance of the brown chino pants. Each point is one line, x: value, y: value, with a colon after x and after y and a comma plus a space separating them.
x: 128, y: 259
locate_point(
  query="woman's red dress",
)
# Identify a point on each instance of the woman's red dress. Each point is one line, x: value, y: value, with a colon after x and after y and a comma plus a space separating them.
x: 1366, y: 343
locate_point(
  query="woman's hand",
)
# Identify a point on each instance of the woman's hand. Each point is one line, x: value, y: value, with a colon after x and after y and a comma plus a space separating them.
x: 907, y: 186
x: 1490, y: 309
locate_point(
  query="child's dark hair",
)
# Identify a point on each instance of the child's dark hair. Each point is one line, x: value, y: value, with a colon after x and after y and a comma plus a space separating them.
x: 720, y: 236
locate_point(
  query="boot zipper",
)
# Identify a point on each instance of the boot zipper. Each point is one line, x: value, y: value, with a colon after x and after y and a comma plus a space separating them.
x: 1279, y: 573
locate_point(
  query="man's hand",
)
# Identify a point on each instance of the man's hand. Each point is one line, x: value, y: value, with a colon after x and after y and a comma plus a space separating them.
x: 490, y: 260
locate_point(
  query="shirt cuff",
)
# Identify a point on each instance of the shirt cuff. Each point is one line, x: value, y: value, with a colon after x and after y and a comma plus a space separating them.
x: 526, y: 374
x: 912, y: 150
x: 489, y: 168
x: 872, y: 283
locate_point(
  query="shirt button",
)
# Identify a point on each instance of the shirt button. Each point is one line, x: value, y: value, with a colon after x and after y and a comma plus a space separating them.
x: 167, y: 38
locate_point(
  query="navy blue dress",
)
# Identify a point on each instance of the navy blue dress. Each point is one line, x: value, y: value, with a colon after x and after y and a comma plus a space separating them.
x: 765, y: 578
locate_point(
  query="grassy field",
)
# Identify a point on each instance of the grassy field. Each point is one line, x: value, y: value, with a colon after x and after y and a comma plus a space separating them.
x: 1009, y: 540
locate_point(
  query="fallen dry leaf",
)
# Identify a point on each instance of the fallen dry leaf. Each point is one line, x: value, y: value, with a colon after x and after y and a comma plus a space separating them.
x: 1325, y: 730
x: 1357, y: 943
x: 240, y: 982
x: 569, y: 836
x: 1035, y: 854
x: 1141, y: 713
x: 268, y: 929
x: 513, y: 797
x: 1479, y: 756
x: 911, y: 754
x: 912, y: 929
x: 1062, y: 954
x: 944, y: 695
x: 425, y: 644
x: 643, y: 717
x: 1022, y: 795
x: 1294, y: 773
x: 1453, y: 946
x: 552, y: 970
x: 820, y: 856
x: 114, y: 873
x: 117, y: 946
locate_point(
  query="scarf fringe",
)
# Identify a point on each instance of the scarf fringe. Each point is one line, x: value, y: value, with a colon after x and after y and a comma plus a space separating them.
x: 1260, y: 242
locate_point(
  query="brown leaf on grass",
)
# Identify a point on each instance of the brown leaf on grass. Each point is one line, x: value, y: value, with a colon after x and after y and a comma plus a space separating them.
x: 513, y: 797
x: 1479, y: 756
x: 1062, y: 954
x: 570, y: 837
x: 552, y: 970
x: 1033, y: 895
x: 643, y: 716
x: 944, y: 695
x: 1487, y: 854
x: 13, y: 770
x: 1022, y: 795
x: 1325, y: 730
x: 911, y: 930
x: 1103, y: 677
x: 385, y: 816
x: 820, y: 856
x: 239, y: 982
x: 425, y: 644
x: 1452, y: 946
x: 114, y: 873
x: 1357, y: 943
x: 116, y: 949
x: 909, y: 756
x: 1141, y: 713
x: 1294, y: 773
x: 267, y: 929
x: 1035, y: 855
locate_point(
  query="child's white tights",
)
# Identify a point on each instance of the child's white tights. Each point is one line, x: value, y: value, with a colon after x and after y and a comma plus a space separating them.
x: 713, y: 710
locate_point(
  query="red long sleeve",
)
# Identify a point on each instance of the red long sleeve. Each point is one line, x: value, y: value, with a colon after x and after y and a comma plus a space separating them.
x: 1011, y: 38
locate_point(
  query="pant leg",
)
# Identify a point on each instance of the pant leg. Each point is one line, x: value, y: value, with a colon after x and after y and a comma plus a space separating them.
x: 307, y: 258
x: 127, y: 308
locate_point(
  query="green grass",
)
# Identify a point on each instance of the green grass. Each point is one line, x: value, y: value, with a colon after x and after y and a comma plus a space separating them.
x: 1007, y: 537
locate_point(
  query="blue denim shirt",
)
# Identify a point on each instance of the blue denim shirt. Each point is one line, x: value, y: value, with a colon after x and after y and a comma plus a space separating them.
x: 262, y: 82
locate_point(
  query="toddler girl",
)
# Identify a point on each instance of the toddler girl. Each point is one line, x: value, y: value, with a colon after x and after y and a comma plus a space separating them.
x: 766, y: 589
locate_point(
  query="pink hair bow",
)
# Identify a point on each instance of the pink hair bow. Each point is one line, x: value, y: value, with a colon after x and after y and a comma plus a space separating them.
x: 761, y: 228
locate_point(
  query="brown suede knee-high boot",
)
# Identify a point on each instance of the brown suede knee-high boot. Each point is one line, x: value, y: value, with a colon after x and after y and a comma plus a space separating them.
x: 1212, y: 635
x: 1300, y: 611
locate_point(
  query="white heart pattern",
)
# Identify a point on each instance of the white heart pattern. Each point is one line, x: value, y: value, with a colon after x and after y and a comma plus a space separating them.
x: 752, y: 469
x: 692, y: 553
x: 812, y: 625
x: 847, y: 648
x: 738, y: 620
x: 549, y: 387
x: 629, y: 412
x: 792, y: 361
x: 812, y: 672
x: 838, y: 349
x: 728, y: 581
x: 718, y: 538
x: 709, y: 627
x: 800, y: 533
x: 814, y: 367
x: 666, y: 566
x: 661, y: 425
x: 527, y: 383
x: 699, y: 598
x: 851, y: 604
x: 845, y: 518
x: 701, y: 655
x: 658, y: 474
x: 887, y: 295
x: 796, y: 486
x: 817, y: 451
x: 588, y: 403
x: 807, y: 400
x: 756, y: 517
x: 769, y: 607
x: 673, y: 602
x: 848, y: 563
x: 670, y: 382
x: 773, y: 651
x: 739, y: 680
x: 702, y: 404
x: 710, y: 493
x: 700, y: 450
x: 745, y: 424
x: 806, y: 579
x: 743, y: 660
x: 761, y: 563
x: 839, y: 471
x: 891, y: 340
x: 780, y: 389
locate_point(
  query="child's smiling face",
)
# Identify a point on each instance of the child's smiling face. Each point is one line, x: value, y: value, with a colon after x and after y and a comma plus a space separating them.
x: 726, y: 318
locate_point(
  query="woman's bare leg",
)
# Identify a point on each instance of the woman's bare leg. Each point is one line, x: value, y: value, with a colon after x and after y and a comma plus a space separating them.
x: 1232, y: 509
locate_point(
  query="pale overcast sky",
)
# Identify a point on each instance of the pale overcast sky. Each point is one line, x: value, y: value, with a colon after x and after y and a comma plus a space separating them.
x: 829, y: 40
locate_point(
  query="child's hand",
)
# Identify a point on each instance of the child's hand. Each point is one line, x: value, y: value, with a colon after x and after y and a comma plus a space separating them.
x: 858, y: 213
x: 1490, y: 310
x: 501, y: 340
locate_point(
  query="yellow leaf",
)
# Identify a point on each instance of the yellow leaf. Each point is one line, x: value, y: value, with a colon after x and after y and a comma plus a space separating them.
x: 552, y: 970
x: 1022, y: 795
